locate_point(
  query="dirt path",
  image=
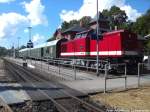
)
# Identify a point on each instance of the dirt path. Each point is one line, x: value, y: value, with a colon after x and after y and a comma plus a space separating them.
x: 130, y: 101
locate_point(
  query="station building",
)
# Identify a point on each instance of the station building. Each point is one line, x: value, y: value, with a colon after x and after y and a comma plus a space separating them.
x: 71, y: 32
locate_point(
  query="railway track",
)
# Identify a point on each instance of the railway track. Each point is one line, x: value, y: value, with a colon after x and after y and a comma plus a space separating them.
x: 4, y: 107
x: 71, y: 104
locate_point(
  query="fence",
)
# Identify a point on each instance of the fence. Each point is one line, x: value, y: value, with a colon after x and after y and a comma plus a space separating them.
x: 107, y: 77
x: 74, y: 64
x: 73, y: 70
x: 142, y: 71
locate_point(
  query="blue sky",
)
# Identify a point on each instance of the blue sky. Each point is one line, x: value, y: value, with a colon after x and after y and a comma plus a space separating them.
x: 45, y: 16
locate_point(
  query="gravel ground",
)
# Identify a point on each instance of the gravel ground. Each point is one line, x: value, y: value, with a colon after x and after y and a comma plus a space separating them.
x: 129, y: 101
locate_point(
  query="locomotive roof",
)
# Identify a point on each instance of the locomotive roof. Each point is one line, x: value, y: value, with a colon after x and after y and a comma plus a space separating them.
x: 113, y: 32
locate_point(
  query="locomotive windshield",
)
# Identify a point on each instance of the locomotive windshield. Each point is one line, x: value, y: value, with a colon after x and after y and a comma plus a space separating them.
x: 78, y: 36
x: 81, y: 35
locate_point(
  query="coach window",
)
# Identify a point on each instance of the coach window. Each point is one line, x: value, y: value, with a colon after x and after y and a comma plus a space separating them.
x: 51, y: 50
x: 47, y: 50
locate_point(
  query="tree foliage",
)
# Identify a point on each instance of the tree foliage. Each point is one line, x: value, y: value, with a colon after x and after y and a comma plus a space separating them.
x: 83, y: 22
x: 3, y: 51
x: 116, y: 16
x: 65, y: 25
x: 142, y: 25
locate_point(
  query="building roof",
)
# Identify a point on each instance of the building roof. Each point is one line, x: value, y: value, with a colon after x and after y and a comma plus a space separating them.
x: 76, y: 28
x: 57, y: 31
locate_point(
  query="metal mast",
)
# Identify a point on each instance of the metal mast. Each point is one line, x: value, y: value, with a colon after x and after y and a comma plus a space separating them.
x: 97, y: 47
x: 18, y: 43
x: 30, y: 42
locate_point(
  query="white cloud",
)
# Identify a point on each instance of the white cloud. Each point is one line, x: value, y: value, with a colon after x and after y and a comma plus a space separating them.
x: 26, y: 31
x: 11, y: 23
x: 37, y: 37
x: 133, y: 14
x: 35, y: 12
x: 6, y: 1
x: 89, y: 9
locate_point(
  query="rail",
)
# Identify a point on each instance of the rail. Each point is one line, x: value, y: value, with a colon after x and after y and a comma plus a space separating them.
x: 4, y: 106
x: 29, y: 81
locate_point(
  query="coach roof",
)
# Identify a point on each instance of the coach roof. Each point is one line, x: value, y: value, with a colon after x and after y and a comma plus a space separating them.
x: 51, y: 43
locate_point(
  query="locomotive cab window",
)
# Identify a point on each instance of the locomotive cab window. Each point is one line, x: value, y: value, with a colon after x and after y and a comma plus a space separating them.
x: 84, y: 35
x: 93, y: 35
x: 78, y: 36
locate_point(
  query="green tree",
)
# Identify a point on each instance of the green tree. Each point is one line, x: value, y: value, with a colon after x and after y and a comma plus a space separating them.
x: 3, y: 51
x: 65, y: 25
x: 142, y: 25
x: 116, y: 16
x: 84, y: 21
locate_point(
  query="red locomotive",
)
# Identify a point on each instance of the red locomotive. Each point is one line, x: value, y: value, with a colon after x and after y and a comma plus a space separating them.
x: 115, y: 47
x: 119, y: 46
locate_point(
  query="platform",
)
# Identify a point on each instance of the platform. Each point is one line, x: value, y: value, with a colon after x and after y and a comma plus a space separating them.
x: 87, y: 82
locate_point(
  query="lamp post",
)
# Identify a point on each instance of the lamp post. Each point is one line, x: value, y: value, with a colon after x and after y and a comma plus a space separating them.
x: 13, y: 50
x: 18, y: 47
x: 97, y: 40
x: 29, y: 29
x: 18, y: 42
